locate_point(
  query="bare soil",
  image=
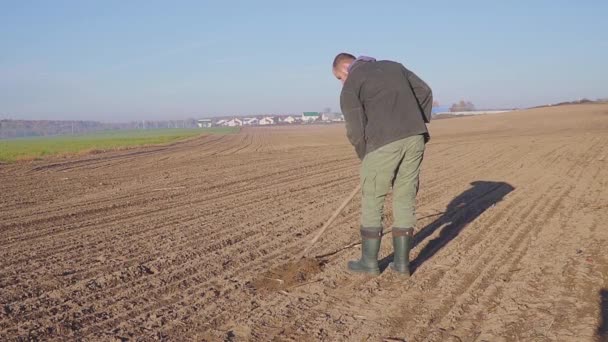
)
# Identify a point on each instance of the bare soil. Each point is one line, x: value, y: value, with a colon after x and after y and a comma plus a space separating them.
x: 198, y: 240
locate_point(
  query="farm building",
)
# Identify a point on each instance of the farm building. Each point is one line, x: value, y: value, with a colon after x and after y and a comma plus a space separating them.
x: 289, y: 119
x: 204, y: 123
x: 334, y: 117
x: 250, y: 121
x: 311, y: 116
x: 233, y: 122
x: 266, y: 121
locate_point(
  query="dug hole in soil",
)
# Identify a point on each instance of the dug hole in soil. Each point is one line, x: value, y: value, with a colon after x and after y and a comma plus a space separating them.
x: 288, y: 276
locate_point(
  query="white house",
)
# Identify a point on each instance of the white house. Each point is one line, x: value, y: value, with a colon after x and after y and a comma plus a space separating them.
x: 234, y: 122
x: 289, y: 119
x: 266, y: 121
x: 332, y: 117
x: 204, y: 123
x: 221, y: 122
x: 250, y: 121
x: 338, y: 118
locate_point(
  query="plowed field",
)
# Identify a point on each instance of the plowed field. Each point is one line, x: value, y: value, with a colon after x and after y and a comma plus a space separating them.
x: 197, y: 240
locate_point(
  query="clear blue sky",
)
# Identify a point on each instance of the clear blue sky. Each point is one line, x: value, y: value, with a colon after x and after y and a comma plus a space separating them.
x: 123, y: 60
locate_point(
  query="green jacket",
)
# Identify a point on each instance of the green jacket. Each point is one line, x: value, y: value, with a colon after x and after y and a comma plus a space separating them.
x: 383, y: 102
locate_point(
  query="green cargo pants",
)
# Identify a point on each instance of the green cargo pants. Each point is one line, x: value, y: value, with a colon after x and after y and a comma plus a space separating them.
x: 398, y: 165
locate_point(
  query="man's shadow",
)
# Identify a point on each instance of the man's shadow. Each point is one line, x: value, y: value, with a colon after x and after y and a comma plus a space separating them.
x: 602, y: 330
x: 461, y: 211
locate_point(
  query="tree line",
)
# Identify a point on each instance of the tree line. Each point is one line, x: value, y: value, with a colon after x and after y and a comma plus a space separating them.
x: 40, y: 128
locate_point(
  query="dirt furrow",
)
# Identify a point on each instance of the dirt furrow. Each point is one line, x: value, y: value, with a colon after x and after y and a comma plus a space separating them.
x: 209, y: 271
x: 278, y: 182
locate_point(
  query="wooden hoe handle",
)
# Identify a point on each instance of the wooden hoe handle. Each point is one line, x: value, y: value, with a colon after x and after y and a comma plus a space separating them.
x: 331, y: 219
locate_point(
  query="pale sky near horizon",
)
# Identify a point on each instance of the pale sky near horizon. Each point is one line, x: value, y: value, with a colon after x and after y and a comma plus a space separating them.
x: 132, y: 60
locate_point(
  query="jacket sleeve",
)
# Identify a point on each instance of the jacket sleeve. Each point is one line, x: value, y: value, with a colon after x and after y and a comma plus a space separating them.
x: 423, y: 93
x: 355, y: 118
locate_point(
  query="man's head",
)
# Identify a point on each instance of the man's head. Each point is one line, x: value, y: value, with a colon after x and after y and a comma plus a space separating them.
x: 341, y: 64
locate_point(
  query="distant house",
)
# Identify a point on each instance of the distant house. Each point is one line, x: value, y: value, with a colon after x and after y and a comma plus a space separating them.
x: 266, y: 121
x: 204, y: 123
x: 289, y: 120
x: 250, y: 121
x: 310, y: 116
x: 221, y: 122
x: 234, y: 122
x: 337, y: 117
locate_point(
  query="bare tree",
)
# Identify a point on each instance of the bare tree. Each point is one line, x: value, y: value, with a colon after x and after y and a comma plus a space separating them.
x: 462, y: 106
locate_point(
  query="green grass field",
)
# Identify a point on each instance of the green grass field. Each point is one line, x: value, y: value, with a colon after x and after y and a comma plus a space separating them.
x: 37, y: 147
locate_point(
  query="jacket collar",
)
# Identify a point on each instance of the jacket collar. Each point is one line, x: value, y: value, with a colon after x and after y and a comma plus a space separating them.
x: 359, y: 60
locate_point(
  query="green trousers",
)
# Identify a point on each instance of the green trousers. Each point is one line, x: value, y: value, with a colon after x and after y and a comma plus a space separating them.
x: 395, y: 165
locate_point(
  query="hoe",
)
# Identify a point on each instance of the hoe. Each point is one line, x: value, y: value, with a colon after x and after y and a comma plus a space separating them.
x: 330, y: 221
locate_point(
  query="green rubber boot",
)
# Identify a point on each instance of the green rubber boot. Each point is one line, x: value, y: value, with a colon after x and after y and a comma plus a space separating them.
x: 370, y: 246
x: 402, y: 243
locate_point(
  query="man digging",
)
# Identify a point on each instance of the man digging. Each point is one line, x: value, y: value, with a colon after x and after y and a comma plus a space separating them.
x: 386, y: 108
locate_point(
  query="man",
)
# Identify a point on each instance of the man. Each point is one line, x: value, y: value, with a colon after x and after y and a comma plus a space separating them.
x: 386, y: 108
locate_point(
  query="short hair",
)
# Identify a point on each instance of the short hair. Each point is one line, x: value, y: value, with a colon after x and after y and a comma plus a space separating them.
x: 343, y: 57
